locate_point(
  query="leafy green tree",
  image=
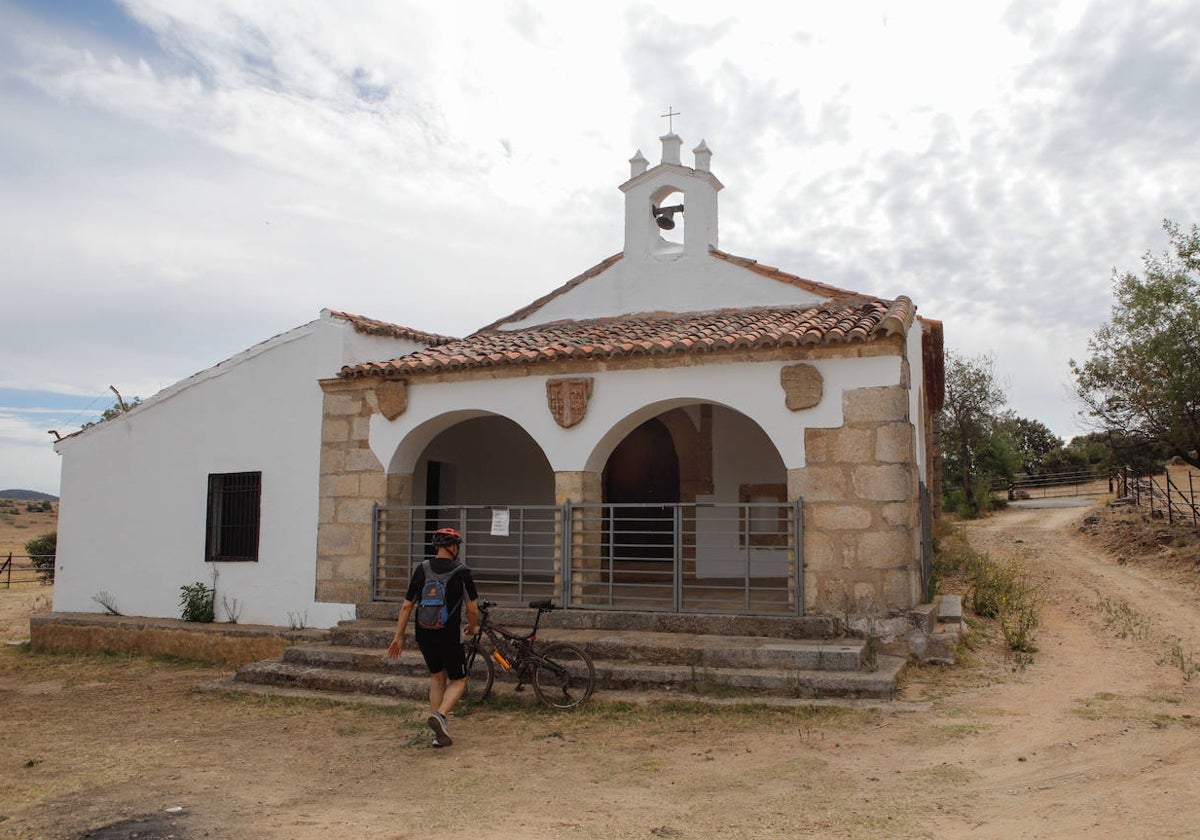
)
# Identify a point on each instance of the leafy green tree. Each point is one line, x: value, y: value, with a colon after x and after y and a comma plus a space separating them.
x: 968, y: 418
x: 1142, y: 377
x: 1112, y: 451
x: 42, y: 551
x: 1032, y: 441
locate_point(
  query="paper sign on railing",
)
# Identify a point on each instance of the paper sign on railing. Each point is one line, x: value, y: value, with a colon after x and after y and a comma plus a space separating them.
x: 499, y: 522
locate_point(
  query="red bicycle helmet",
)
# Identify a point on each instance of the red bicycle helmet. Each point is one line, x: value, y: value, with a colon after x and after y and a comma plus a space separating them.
x: 445, y: 536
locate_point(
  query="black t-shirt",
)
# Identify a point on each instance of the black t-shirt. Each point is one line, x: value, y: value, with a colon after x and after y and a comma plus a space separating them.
x: 455, y: 588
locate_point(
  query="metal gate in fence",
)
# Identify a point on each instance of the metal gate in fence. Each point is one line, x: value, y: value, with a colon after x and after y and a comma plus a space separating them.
x: 738, y: 558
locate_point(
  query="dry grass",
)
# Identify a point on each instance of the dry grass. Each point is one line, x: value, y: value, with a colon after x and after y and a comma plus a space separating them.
x: 18, y: 525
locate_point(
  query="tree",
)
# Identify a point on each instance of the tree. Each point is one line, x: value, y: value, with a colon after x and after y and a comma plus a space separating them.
x: 1142, y: 378
x: 42, y: 551
x: 968, y: 418
x: 1032, y: 441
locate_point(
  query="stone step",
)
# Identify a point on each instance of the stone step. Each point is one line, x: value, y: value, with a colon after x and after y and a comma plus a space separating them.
x: 778, y: 626
x: 706, y: 651
x: 407, y: 679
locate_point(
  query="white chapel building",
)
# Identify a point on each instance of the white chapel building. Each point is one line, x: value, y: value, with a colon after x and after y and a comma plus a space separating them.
x: 676, y: 429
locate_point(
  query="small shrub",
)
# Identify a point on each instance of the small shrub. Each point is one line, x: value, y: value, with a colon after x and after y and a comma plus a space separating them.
x: 106, y: 600
x: 197, y: 602
x: 233, y: 609
x: 994, y: 587
x: 42, y: 551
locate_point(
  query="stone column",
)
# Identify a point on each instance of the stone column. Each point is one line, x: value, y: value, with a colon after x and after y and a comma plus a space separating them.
x: 583, y: 555
x: 352, y: 483
x: 861, y: 508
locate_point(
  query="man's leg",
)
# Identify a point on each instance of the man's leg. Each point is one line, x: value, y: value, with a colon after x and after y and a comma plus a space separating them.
x: 452, y: 692
x: 437, y: 691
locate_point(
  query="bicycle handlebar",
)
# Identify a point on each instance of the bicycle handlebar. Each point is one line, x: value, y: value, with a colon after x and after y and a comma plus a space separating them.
x: 541, y: 606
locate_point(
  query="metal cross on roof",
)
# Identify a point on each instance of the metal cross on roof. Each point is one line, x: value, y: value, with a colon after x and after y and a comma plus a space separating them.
x: 670, y: 115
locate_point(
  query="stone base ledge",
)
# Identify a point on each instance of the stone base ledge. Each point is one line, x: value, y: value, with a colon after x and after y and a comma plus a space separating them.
x: 929, y: 633
x: 219, y: 643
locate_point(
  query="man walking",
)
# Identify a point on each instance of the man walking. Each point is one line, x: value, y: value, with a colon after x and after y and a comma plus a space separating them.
x: 438, y: 589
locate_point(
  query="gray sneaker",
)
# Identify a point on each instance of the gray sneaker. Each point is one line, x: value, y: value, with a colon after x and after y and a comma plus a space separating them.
x: 441, y: 729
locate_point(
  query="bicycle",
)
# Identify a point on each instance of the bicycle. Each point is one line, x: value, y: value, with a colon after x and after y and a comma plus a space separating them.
x: 562, y: 674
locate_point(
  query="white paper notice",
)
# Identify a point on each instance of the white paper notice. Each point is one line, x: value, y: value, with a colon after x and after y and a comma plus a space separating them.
x: 499, y: 522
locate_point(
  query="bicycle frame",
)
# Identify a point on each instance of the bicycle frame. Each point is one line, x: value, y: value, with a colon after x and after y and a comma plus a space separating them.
x: 520, y: 650
x: 562, y: 674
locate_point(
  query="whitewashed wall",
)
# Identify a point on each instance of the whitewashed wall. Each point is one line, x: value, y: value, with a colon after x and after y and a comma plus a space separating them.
x: 621, y: 400
x: 134, y: 489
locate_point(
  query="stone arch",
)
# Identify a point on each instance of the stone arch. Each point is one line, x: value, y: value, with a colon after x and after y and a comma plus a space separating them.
x: 483, y: 458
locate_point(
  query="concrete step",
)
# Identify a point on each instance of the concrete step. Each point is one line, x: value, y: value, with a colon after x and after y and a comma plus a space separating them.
x: 407, y: 678
x: 699, y: 650
x: 777, y: 626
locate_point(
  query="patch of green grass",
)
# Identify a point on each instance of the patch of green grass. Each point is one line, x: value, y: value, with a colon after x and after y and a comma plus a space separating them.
x: 1101, y: 706
x: 941, y: 734
x: 1182, y: 658
x: 1123, y: 619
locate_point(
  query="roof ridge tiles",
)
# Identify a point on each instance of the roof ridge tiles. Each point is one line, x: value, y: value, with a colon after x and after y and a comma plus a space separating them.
x: 373, y: 326
x: 659, y: 333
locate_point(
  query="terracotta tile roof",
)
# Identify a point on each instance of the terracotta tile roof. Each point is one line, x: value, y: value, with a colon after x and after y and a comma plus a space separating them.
x: 371, y: 326
x: 657, y: 333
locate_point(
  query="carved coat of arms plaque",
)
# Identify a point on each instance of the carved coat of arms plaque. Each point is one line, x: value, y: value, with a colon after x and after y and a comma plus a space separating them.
x: 568, y: 399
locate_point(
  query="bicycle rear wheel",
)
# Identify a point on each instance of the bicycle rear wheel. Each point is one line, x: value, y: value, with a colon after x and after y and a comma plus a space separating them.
x: 564, y: 675
x: 481, y: 673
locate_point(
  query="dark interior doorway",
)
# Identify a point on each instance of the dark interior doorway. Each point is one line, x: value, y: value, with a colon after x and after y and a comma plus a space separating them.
x: 643, y: 470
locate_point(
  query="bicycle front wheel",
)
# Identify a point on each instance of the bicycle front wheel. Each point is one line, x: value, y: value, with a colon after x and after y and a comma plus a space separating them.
x: 564, y: 675
x: 481, y: 673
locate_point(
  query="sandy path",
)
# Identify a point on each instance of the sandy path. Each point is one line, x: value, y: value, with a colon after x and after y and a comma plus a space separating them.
x: 1099, y: 737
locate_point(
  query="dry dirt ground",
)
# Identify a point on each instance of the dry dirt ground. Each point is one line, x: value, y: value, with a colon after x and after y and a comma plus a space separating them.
x: 18, y: 525
x: 1099, y: 736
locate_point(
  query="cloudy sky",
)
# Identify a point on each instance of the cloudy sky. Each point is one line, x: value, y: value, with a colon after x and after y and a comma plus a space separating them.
x: 181, y: 179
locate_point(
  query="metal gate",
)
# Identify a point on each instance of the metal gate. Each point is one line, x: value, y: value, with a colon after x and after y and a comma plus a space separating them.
x: 737, y: 558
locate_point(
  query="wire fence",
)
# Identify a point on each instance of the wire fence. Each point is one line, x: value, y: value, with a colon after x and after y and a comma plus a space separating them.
x: 26, y: 568
x: 1086, y: 482
x: 1162, y: 495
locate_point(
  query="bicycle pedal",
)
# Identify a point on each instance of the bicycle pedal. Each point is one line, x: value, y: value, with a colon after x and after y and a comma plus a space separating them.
x: 520, y: 686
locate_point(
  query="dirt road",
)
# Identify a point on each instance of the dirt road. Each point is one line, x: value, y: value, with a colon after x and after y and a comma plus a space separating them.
x: 1098, y: 737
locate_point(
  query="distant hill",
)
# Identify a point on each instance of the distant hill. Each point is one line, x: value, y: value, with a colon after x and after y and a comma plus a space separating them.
x: 27, y: 496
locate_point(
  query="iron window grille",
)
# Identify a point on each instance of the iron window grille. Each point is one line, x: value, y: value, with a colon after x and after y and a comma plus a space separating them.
x: 234, y: 505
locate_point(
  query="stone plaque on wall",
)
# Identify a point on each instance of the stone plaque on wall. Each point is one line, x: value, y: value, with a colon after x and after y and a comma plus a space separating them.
x: 802, y: 386
x: 392, y: 398
x: 568, y: 399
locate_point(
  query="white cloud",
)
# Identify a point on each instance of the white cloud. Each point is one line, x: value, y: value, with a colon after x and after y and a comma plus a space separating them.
x: 178, y: 188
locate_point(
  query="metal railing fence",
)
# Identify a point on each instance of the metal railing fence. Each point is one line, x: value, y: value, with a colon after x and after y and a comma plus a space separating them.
x: 1164, y: 498
x: 26, y: 568
x: 510, y: 550
x: 1068, y: 483
x: 717, y: 558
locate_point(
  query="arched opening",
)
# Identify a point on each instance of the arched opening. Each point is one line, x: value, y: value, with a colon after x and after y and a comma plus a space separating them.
x: 486, y: 477
x: 694, y: 516
x: 641, y: 481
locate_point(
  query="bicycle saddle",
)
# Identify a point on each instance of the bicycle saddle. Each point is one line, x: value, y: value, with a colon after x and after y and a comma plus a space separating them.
x: 546, y: 604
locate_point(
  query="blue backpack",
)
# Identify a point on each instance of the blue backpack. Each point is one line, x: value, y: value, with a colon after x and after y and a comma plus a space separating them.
x: 433, y: 612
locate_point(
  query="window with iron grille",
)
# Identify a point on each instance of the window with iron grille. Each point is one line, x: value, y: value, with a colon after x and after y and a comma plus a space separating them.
x: 233, y: 511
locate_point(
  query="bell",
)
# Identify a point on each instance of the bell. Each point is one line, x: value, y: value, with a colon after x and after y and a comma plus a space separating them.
x: 665, y: 222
